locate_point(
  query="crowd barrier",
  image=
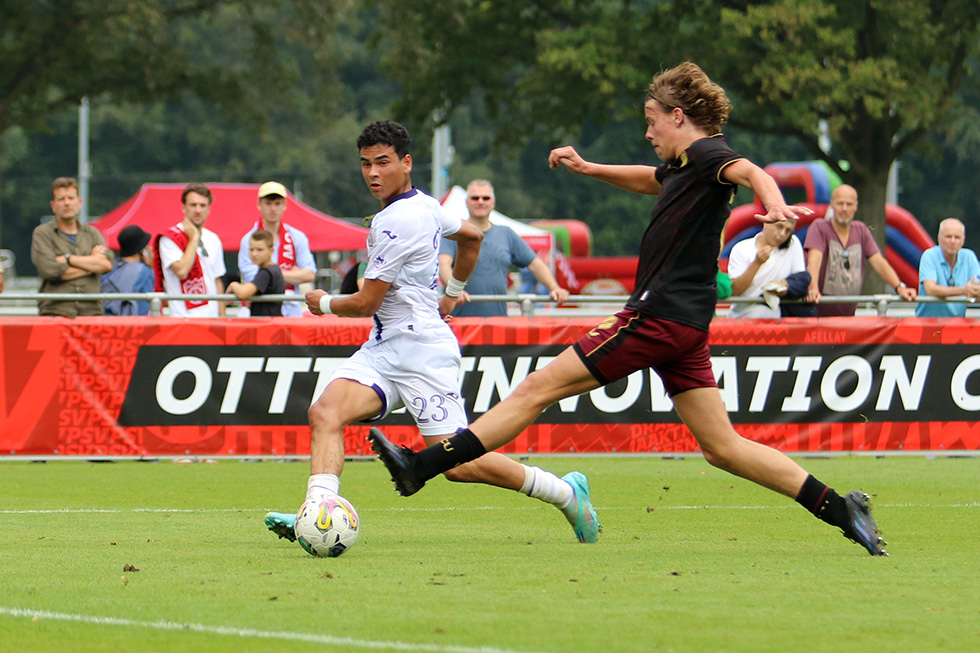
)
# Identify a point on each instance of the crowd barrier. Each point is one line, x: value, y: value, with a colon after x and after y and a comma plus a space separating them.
x: 165, y: 387
x: 879, y: 304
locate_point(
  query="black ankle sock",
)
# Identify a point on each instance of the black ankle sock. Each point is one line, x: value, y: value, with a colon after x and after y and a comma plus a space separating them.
x: 446, y: 454
x: 823, y: 502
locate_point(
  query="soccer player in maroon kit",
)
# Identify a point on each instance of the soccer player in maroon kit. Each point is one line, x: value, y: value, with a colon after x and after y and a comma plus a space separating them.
x: 665, y: 322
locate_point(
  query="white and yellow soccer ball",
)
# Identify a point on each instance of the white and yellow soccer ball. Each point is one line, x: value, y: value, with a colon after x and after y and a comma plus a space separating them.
x: 326, y: 526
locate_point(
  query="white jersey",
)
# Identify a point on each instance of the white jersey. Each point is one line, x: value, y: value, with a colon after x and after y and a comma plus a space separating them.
x: 403, y: 250
x: 211, y: 256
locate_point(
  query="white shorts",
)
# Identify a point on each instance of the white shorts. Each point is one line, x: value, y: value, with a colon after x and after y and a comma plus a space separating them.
x: 420, y: 373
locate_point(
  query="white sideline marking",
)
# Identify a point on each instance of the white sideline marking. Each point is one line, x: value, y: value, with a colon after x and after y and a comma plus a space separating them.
x: 83, y: 511
x: 345, y: 642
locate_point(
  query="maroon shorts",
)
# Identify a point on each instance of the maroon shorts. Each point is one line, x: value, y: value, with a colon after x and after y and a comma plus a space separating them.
x: 628, y: 341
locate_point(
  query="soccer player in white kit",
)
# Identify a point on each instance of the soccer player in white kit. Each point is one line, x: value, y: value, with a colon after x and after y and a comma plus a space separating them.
x: 411, y: 356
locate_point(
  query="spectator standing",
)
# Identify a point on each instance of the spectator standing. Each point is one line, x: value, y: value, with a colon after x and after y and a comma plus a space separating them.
x: 291, y: 247
x: 836, y: 251
x: 188, y: 259
x: 760, y: 266
x: 501, y: 249
x: 132, y: 273
x: 69, y: 256
x: 946, y: 271
x: 267, y: 280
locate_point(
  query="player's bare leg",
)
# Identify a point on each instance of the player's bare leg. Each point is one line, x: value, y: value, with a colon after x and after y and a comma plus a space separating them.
x: 704, y: 413
x: 342, y: 403
x: 563, y: 377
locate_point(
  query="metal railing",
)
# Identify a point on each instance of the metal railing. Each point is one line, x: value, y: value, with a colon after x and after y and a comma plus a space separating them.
x: 880, y: 303
x: 877, y: 304
x: 155, y: 299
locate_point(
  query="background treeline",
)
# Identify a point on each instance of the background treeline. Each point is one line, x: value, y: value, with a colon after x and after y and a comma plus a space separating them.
x: 279, y: 89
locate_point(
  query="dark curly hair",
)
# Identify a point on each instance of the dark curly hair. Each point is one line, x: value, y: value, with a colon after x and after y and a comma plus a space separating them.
x: 687, y: 86
x: 386, y: 132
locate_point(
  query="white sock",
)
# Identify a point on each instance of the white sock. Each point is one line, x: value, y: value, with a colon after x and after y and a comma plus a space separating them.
x: 545, y: 486
x: 322, y: 485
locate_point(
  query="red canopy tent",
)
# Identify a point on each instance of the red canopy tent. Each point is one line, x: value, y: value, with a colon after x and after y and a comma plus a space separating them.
x: 156, y: 207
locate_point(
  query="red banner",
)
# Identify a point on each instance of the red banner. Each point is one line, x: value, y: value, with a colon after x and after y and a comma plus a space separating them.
x: 95, y: 387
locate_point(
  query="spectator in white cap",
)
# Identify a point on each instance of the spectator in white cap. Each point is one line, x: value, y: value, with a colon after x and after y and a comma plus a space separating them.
x: 291, y: 250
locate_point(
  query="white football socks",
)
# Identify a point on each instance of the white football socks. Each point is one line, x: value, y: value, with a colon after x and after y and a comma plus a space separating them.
x: 322, y: 485
x: 547, y: 487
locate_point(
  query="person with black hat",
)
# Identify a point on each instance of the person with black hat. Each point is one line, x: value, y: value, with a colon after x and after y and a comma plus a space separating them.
x: 132, y: 273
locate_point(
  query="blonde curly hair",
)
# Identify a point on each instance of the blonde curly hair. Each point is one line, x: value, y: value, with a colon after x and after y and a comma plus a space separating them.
x: 687, y: 87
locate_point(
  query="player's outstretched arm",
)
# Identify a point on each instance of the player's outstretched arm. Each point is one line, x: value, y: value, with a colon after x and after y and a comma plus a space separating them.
x: 745, y: 173
x: 634, y: 178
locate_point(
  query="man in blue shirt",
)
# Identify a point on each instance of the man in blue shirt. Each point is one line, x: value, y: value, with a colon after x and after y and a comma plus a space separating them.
x: 501, y: 249
x: 946, y: 270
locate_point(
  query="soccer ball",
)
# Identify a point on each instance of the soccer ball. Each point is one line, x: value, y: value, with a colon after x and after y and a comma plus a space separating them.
x: 326, y: 526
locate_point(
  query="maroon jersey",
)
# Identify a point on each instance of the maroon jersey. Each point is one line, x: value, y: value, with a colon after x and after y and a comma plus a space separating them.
x: 675, y: 277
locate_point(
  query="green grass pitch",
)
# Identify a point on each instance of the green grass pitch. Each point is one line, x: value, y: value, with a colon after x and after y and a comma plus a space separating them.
x: 140, y: 556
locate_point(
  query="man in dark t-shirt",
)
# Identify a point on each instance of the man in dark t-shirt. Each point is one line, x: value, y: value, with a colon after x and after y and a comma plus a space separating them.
x: 267, y: 281
x: 664, y: 325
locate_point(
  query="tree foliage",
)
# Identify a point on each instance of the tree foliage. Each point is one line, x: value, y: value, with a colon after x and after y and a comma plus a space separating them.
x: 55, y: 52
x: 174, y: 84
x: 180, y: 90
x: 204, y: 90
x: 882, y: 73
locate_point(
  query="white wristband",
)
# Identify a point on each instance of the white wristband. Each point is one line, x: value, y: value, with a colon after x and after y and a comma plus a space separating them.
x: 454, y: 287
x: 325, y: 304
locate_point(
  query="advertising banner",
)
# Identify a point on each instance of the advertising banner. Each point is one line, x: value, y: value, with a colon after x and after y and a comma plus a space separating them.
x: 95, y: 387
